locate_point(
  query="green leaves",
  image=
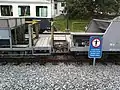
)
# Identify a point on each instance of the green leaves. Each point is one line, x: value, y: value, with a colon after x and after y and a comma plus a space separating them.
x: 88, y: 8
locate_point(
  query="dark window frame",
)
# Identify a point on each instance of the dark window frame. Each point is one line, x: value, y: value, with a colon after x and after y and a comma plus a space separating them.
x: 23, y: 12
x: 6, y: 10
x: 55, y: 6
x: 39, y: 13
x: 62, y: 4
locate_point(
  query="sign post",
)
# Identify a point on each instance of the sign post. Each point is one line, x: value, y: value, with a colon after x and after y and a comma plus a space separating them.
x: 94, y: 61
x: 95, y: 48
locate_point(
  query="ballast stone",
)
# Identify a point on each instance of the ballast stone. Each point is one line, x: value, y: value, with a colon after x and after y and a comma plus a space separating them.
x: 59, y: 77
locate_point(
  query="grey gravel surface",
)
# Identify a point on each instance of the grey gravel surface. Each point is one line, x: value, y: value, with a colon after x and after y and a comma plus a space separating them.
x: 59, y: 77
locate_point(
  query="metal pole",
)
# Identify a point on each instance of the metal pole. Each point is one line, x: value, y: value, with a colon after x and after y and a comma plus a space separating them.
x: 67, y: 23
x: 15, y: 36
x: 37, y: 30
x: 94, y: 61
x: 30, y: 35
x: 52, y: 35
x: 67, y: 18
x: 10, y: 34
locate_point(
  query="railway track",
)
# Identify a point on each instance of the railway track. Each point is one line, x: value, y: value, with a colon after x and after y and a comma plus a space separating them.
x: 55, y: 59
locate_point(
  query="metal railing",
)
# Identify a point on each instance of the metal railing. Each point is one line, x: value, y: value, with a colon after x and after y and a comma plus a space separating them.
x: 33, y: 31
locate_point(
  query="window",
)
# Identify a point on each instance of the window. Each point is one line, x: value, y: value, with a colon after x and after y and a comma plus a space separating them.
x: 62, y: 4
x: 55, y: 6
x: 41, y: 11
x: 6, y: 10
x: 24, y: 10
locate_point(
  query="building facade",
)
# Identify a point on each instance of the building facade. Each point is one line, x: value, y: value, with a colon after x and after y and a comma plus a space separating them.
x: 59, y: 6
x: 31, y: 8
x: 27, y: 8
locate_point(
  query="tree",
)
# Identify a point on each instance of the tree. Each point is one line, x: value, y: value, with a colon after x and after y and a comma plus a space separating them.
x: 90, y: 8
x: 79, y: 8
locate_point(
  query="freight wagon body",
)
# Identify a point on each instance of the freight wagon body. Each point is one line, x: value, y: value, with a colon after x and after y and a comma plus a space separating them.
x: 14, y: 41
x: 108, y: 29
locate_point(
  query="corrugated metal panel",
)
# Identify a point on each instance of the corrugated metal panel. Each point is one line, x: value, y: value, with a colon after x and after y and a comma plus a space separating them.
x: 18, y: 21
x: 23, y: 21
x: 12, y: 22
x: 3, y: 23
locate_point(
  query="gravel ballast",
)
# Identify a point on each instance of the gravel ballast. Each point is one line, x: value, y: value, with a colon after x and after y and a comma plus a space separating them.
x: 59, y: 77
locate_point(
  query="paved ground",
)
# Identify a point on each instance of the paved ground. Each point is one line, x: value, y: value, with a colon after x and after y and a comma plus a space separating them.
x: 59, y: 77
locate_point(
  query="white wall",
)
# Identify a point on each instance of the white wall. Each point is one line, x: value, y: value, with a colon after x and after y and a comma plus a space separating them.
x: 59, y: 9
x: 25, y: 0
x: 32, y: 8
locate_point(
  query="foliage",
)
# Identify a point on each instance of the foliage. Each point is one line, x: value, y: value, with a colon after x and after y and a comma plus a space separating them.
x: 85, y: 9
x: 61, y: 23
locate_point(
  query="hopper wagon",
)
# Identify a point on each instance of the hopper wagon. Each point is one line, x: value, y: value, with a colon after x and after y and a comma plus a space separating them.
x: 14, y: 40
